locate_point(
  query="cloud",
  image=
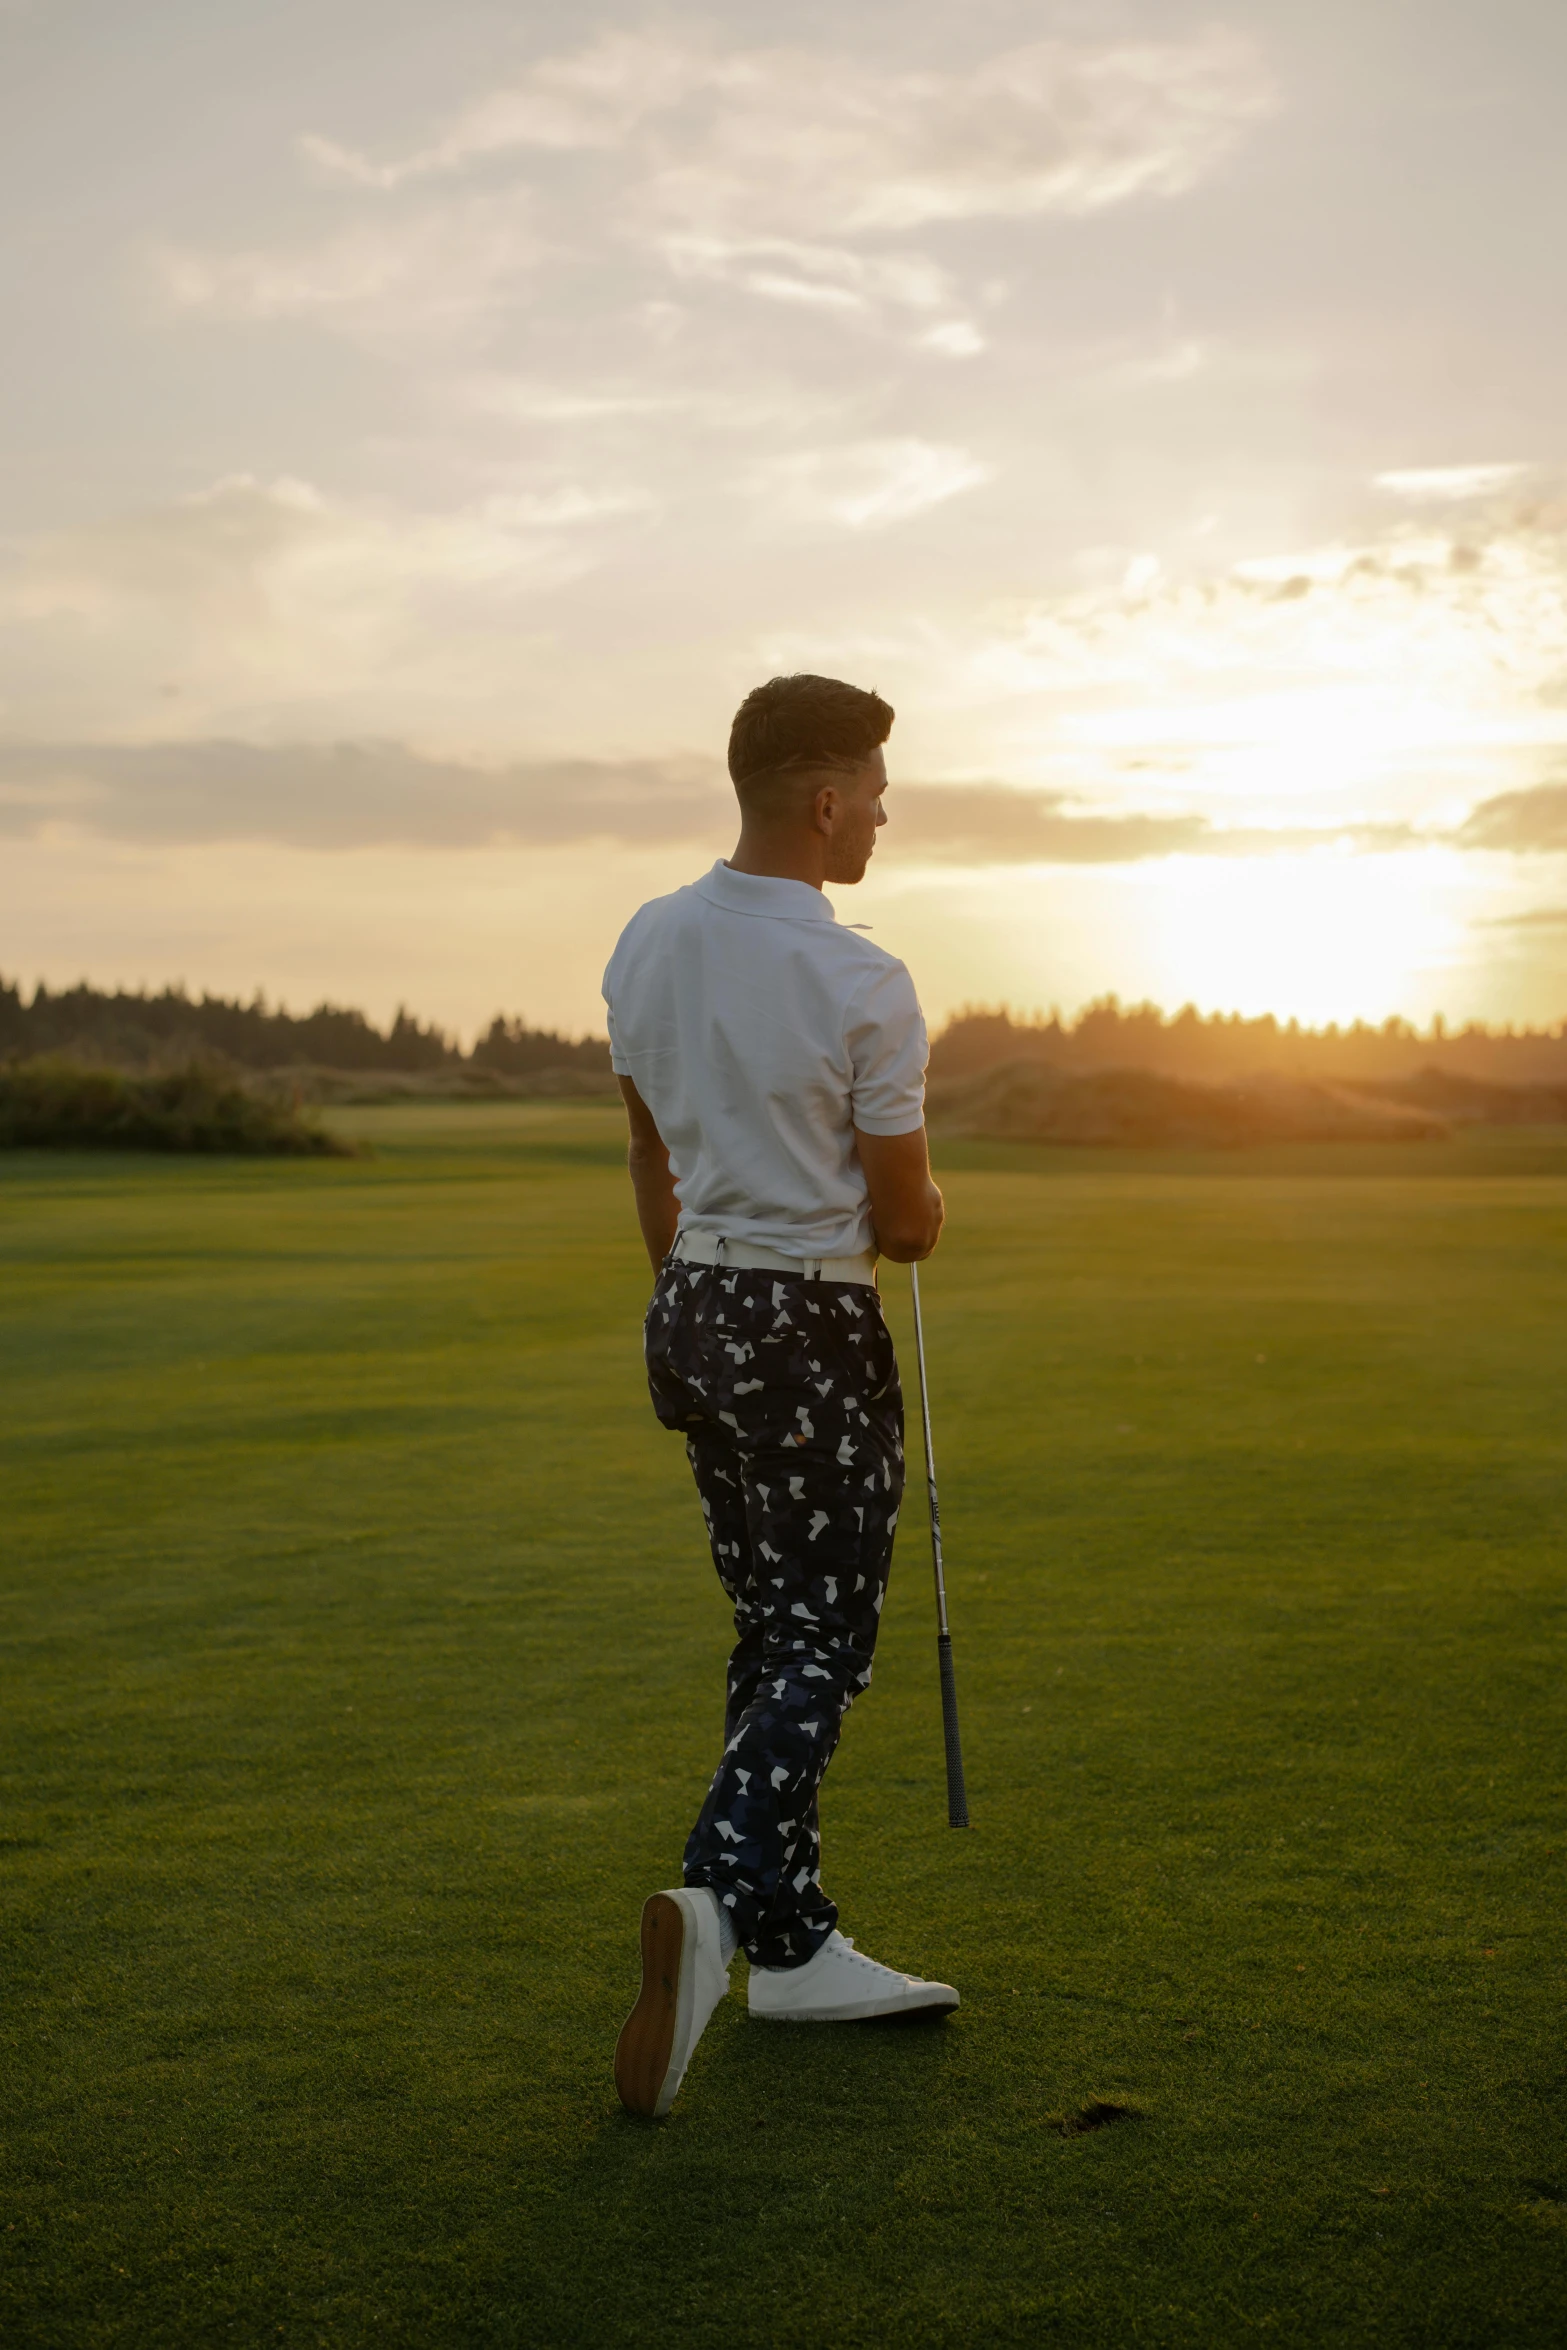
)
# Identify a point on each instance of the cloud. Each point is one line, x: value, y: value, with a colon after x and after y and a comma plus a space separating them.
x: 865, y: 485
x: 590, y: 99
x: 991, y: 824
x: 333, y: 796
x: 997, y: 824
x: 766, y: 170
x: 1425, y: 617
x: 1455, y: 482
x: 891, y: 294
x: 1529, y: 823
x: 257, y: 594
x: 821, y: 276
x: 1054, y: 127
x: 440, y: 268
x: 350, y: 795
x: 266, y: 547
x: 956, y: 338
x: 1409, y: 675
x: 897, y: 291
x: 1537, y: 918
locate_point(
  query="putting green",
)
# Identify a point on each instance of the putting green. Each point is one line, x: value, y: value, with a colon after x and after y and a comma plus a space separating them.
x: 363, y: 1668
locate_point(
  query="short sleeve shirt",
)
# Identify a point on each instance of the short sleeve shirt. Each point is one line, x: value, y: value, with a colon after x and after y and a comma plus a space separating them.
x: 760, y: 1031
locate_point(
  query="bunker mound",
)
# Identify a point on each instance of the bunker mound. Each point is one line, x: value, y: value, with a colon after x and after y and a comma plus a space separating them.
x: 1026, y: 1101
x: 1470, y: 1101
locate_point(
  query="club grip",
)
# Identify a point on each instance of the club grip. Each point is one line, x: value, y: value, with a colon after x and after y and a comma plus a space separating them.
x: 957, y: 1794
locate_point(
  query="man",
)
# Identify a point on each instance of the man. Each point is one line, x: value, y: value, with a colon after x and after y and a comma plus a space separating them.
x: 773, y: 1067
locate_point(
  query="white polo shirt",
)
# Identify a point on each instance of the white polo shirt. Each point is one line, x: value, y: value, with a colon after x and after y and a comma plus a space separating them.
x: 760, y: 1032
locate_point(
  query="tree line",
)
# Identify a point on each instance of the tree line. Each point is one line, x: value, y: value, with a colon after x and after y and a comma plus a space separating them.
x: 1213, y: 1047
x: 128, y: 1028
x: 134, y: 1029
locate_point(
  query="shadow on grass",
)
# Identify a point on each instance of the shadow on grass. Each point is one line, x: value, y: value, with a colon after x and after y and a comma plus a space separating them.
x: 809, y: 2081
x: 783, y: 2138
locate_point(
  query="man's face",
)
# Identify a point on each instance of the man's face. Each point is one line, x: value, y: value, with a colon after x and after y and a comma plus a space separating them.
x: 851, y: 811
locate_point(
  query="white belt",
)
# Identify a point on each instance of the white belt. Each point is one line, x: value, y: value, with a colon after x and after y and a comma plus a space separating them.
x: 715, y: 1248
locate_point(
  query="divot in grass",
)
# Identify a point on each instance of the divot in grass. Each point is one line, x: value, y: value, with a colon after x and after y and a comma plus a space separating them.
x: 1097, y: 2114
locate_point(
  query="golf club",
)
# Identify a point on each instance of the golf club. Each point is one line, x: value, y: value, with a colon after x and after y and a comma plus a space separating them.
x: 957, y: 1798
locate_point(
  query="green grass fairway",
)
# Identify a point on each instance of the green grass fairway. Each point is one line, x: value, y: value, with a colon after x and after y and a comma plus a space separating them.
x: 363, y: 1671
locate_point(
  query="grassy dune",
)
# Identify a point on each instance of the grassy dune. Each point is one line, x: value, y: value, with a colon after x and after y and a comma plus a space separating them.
x: 362, y: 1669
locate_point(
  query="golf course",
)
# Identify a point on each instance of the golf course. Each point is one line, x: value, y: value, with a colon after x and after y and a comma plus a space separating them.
x: 363, y: 1666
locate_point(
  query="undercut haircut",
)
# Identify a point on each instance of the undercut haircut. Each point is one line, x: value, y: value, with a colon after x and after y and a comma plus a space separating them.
x: 793, y: 727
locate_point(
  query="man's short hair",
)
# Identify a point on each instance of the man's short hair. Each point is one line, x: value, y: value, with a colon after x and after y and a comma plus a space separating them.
x: 801, y: 723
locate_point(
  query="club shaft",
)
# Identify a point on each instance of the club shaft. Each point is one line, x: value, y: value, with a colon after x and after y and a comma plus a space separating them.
x: 957, y: 1794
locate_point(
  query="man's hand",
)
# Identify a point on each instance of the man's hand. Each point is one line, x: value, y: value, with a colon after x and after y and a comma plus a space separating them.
x: 906, y: 1208
x: 658, y: 1210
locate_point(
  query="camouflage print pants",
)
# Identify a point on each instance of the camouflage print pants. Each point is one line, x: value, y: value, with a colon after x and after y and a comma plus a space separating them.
x: 786, y: 1391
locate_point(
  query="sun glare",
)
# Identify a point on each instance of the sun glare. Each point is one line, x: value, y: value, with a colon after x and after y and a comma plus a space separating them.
x: 1319, y: 937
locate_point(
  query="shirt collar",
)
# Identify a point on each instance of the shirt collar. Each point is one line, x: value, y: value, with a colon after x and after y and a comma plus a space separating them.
x: 764, y: 893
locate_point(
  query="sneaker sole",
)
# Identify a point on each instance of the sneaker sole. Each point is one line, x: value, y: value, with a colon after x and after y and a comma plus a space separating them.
x: 942, y: 2004
x: 644, y: 2053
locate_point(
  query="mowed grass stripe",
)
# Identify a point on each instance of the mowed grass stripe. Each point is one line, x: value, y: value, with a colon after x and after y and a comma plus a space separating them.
x: 363, y: 1671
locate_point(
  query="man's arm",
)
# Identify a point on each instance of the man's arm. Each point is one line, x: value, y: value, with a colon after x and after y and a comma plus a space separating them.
x: 652, y: 1180
x: 906, y: 1208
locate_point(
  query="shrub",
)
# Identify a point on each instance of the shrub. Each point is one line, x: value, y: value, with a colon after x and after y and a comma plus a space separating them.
x: 57, y: 1103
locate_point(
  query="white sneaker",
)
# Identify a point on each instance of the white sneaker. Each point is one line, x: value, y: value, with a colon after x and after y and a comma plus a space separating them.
x: 839, y: 1985
x: 684, y: 1976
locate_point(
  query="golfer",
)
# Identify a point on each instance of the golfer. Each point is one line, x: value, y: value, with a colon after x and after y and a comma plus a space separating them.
x: 773, y: 1068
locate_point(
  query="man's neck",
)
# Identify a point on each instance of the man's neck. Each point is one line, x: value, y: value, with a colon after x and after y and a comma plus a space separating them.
x: 772, y: 858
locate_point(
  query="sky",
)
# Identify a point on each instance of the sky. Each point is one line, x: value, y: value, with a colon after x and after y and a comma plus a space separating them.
x: 423, y: 424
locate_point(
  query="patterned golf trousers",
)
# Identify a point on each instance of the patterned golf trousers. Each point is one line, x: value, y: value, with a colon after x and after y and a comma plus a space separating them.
x: 787, y: 1394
